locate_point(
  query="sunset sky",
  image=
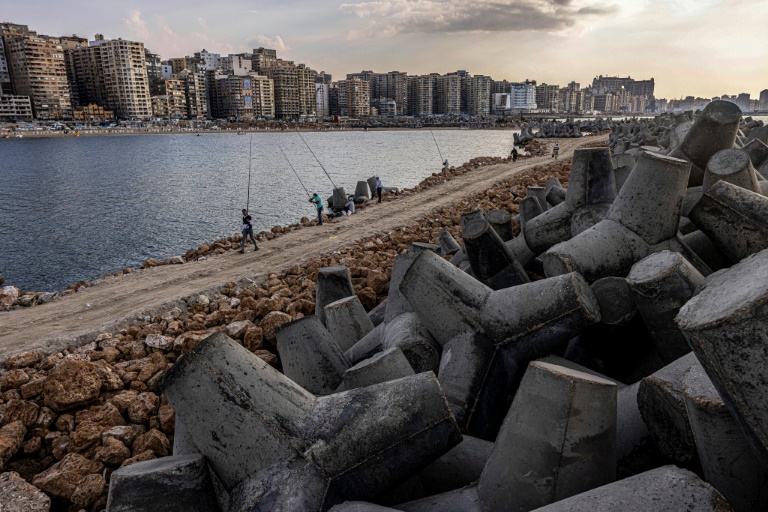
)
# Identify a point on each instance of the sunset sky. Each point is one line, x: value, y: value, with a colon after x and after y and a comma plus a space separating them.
x: 691, y: 47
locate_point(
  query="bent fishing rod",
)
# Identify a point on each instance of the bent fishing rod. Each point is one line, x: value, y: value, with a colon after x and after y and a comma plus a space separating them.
x: 250, y: 159
x: 438, y: 147
x: 318, y: 160
x: 294, y: 171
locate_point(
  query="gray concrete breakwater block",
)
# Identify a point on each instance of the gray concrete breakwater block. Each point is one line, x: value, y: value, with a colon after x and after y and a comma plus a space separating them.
x: 661, y: 284
x: 246, y: 417
x: 558, y: 440
x: 487, y: 253
x: 388, y: 365
x: 501, y: 222
x: 310, y: 356
x: 617, y: 305
x: 661, y: 403
x: 664, y: 489
x: 448, y: 245
x: 347, y: 321
x: 734, y: 218
x: 333, y: 283
x: 727, y: 460
x: 727, y: 327
x: 733, y: 166
x: 169, y: 484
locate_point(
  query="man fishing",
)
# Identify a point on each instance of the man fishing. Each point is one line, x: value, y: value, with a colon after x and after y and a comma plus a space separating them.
x: 379, y: 187
x: 247, y: 231
x: 514, y: 154
x: 319, y: 204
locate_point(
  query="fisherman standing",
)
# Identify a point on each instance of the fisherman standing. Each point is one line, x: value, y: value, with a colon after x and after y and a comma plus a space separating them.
x: 319, y: 204
x: 555, y: 151
x: 514, y: 154
x: 445, y: 164
x: 247, y: 231
x: 379, y: 187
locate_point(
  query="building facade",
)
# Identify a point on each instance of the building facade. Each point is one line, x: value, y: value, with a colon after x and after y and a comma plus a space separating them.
x: 126, y: 83
x: 478, y: 95
x: 14, y: 109
x: 446, y: 92
x: 524, y: 96
x: 420, y: 92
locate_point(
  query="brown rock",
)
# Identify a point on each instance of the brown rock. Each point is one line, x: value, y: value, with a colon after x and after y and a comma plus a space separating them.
x: 368, y: 298
x: 13, y: 379
x: 253, y: 338
x: 377, y: 281
x: 107, y: 414
x: 61, y: 479
x: 16, y: 495
x: 167, y: 418
x: 33, y: 445
x: 271, y: 322
x: 237, y: 330
x: 187, y: 341
x: 32, y: 388
x: 215, y: 318
x: 45, y: 418
x: 154, y: 441
x: 60, y: 447
x: 126, y: 434
x: 144, y: 406
x: 65, y: 423
x: 123, y: 400
x: 21, y: 410
x: 72, y: 383
x: 158, y: 341
x: 302, y: 306
x: 142, y: 457
x: 112, y: 453
x: 268, y: 305
x: 23, y: 360
x: 11, y: 439
x: 88, y: 490
x: 110, y: 380
x: 267, y: 356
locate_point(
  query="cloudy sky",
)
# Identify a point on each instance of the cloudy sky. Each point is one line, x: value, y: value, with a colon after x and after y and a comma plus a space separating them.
x: 691, y: 47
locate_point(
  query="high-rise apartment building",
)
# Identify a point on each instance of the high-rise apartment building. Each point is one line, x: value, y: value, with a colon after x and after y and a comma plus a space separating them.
x: 524, y: 96
x: 397, y: 89
x: 15, y: 108
x: 478, y: 95
x: 8, y: 29
x: 548, y: 97
x: 243, y: 97
x: 420, y: 92
x: 38, y: 70
x: 294, y: 85
x: 207, y: 61
x: 446, y: 92
x: 762, y: 103
x: 171, y: 103
x: 240, y: 64
x: 354, y: 97
x: 324, y: 78
x: 195, y: 94
x: 321, y: 100
x: 154, y: 71
x: 263, y: 58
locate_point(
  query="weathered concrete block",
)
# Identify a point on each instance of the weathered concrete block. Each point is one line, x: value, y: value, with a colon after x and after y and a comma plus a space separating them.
x: 540, y: 194
x: 183, y: 444
x: 275, y: 443
x: 661, y: 284
x: 396, y: 303
x: 715, y: 129
x: 706, y: 250
x: 727, y: 327
x: 486, y: 250
x: 360, y: 506
x: 347, y: 321
x: 659, y: 490
x: 310, y: 355
x: 388, y: 365
x: 733, y: 166
x: 362, y: 190
x: 333, y: 283
x: 636, y: 450
x: 169, y: 484
x: 462, y: 465
x: 617, y: 305
x: 734, y: 218
x: 460, y: 500
x: 448, y: 245
x: 728, y: 462
x: 661, y: 403
x: 409, y: 334
x: 339, y: 198
x: 558, y: 440
x: 501, y: 222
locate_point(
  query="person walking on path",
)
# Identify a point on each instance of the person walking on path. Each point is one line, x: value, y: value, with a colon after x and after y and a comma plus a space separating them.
x: 247, y: 231
x: 514, y: 154
x: 319, y: 204
x: 379, y: 187
x: 555, y: 151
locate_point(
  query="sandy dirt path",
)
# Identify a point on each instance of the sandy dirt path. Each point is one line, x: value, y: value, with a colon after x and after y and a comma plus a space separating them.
x: 121, y: 301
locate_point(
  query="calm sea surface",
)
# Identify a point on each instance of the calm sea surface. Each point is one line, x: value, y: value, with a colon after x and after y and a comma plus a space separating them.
x: 78, y: 208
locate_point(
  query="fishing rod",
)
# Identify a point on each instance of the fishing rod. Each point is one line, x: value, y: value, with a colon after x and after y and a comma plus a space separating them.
x: 442, y: 160
x: 250, y: 159
x: 318, y: 160
x: 294, y: 171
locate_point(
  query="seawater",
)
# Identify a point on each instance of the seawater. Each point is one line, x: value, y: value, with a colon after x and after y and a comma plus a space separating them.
x: 76, y: 209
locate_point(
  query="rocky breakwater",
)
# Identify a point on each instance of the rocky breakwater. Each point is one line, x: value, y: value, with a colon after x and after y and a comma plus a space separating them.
x: 594, y: 360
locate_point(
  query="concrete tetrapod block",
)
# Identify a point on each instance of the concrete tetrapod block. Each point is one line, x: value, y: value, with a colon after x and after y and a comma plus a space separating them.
x: 501, y: 222
x: 558, y: 440
x: 661, y: 283
x: 310, y: 355
x: 645, y: 213
x: 617, y: 305
x: 714, y: 130
x: 757, y: 151
x: 636, y: 451
x: 734, y: 218
x: 733, y: 166
x: 706, y: 250
x: 347, y: 321
x: 388, y: 365
x: 183, y: 444
x: 333, y: 283
x: 728, y: 462
x: 376, y: 315
x: 362, y: 190
x: 530, y: 208
x: 360, y: 506
x: 556, y: 195
x: 661, y: 403
x: 396, y: 303
x: 662, y: 489
x: 486, y: 251
x: 372, y: 185
x: 462, y: 465
x: 540, y: 194
x: 520, y: 250
x: 270, y: 440
x: 168, y: 484
x: 339, y: 198
x: 727, y: 327
x: 409, y: 334
x: 471, y: 216
x: 448, y: 245
x: 591, y: 189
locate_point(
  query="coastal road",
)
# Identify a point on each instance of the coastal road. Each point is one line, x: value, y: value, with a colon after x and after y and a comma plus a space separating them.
x: 117, y: 302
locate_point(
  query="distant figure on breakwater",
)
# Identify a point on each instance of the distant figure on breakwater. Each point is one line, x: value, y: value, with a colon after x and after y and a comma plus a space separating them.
x: 555, y: 151
x: 445, y: 164
x: 247, y: 231
x: 514, y: 154
x: 379, y: 187
x: 319, y: 204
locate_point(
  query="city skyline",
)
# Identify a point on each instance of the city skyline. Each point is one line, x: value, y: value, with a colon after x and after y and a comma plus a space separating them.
x: 552, y: 41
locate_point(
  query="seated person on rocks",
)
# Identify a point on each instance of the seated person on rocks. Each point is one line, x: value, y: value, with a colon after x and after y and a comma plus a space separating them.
x: 349, y: 208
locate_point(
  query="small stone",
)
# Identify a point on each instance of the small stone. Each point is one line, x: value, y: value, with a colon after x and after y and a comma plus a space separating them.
x: 144, y: 406
x: 65, y: 423
x: 11, y: 439
x: 237, y: 330
x: 167, y: 418
x: 123, y: 400
x: 142, y: 457
x: 45, y: 418
x: 112, y: 453
x: 61, y: 479
x: 154, y: 441
x: 23, y: 360
x: 267, y: 356
x: 126, y: 434
x: 271, y: 322
x: 13, y: 379
x: 253, y: 338
x: 16, y: 495
x: 32, y: 388
x: 33, y: 446
x: 72, y: 383
x: 158, y: 341
x: 21, y: 410
x: 88, y: 490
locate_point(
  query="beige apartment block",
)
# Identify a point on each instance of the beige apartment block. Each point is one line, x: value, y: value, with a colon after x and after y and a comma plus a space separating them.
x: 447, y: 95
x: 92, y: 114
x: 126, y: 84
x: 355, y: 97
x: 420, y: 93
x: 38, y: 71
x: 243, y: 97
x: 15, y: 108
x: 195, y: 94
